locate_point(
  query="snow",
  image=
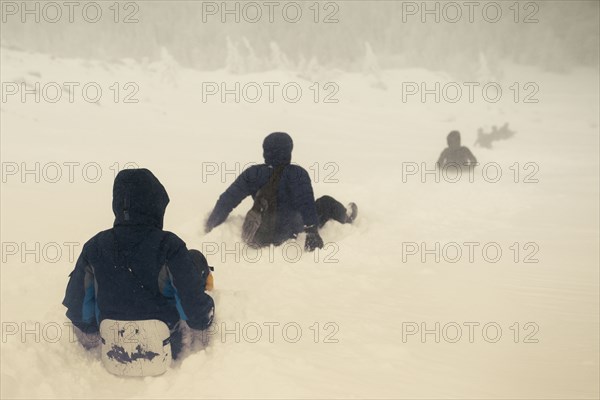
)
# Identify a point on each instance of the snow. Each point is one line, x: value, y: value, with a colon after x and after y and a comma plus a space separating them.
x: 370, y: 294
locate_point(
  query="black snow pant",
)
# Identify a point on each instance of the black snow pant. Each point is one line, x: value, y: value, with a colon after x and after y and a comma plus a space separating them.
x: 176, y: 340
x: 329, y: 208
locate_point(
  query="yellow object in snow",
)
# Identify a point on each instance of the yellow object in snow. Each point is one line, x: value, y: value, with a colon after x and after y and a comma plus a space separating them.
x: 210, y: 282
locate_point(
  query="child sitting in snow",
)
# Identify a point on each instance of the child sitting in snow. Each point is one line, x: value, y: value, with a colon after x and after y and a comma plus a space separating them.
x: 284, y: 201
x: 134, y: 283
x: 455, y: 154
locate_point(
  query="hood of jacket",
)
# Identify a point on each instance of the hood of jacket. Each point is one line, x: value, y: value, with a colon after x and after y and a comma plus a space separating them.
x: 277, y: 149
x: 139, y: 199
x: 453, y: 139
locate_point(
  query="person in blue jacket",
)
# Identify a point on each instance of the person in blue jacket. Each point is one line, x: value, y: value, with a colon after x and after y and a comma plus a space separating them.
x: 297, y: 210
x: 136, y: 270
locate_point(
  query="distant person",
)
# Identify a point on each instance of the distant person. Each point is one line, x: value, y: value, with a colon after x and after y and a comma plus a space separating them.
x: 485, y: 140
x: 455, y: 154
x: 135, y: 282
x: 284, y: 203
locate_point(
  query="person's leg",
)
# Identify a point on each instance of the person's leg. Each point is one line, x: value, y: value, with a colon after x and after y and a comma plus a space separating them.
x: 329, y: 208
x: 89, y: 338
x: 176, y: 340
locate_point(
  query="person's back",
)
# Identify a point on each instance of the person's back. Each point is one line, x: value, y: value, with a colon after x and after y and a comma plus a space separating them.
x: 455, y: 154
x: 132, y: 269
x: 136, y: 271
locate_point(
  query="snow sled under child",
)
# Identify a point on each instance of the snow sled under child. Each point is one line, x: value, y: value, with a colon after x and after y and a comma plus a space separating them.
x: 135, y: 348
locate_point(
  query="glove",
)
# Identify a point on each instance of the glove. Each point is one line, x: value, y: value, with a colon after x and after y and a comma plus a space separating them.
x: 205, y: 317
x: 313, y: 239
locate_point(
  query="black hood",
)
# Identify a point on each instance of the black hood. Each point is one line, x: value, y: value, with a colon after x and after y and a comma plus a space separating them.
x: 277, y: 149
x: 453, y: 139
x: 139, y: 199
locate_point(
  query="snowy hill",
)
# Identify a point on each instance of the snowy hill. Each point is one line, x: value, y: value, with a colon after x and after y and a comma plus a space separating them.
x: 341, y: 322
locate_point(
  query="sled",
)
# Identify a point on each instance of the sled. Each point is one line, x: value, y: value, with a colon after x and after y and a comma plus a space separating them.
x: 135, y: 348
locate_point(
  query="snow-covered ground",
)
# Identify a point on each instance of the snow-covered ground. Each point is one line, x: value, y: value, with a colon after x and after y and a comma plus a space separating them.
x: 357, y: 300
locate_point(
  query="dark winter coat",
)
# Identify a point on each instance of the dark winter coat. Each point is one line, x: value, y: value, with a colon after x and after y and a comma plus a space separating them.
x: 295, y: 197
x: 455, y: 154
x: 137, y: 271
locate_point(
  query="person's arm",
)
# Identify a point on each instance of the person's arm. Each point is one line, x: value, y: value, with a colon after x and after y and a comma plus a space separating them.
x: 471, y: 157
x: 442, y: 160
x: 80, y: 296
x: 303, y: 197
x: 304, y: 201
x: 231, y: 198
x: 197, y: 306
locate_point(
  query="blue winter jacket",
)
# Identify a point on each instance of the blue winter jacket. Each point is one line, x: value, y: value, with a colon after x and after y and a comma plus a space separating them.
x: 135, y: 270
x: 295, y: 198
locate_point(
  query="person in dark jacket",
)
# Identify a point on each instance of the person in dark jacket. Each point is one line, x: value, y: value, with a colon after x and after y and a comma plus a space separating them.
x: 136, y: 270
x: 455, y: 154
x: 296, y: 208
